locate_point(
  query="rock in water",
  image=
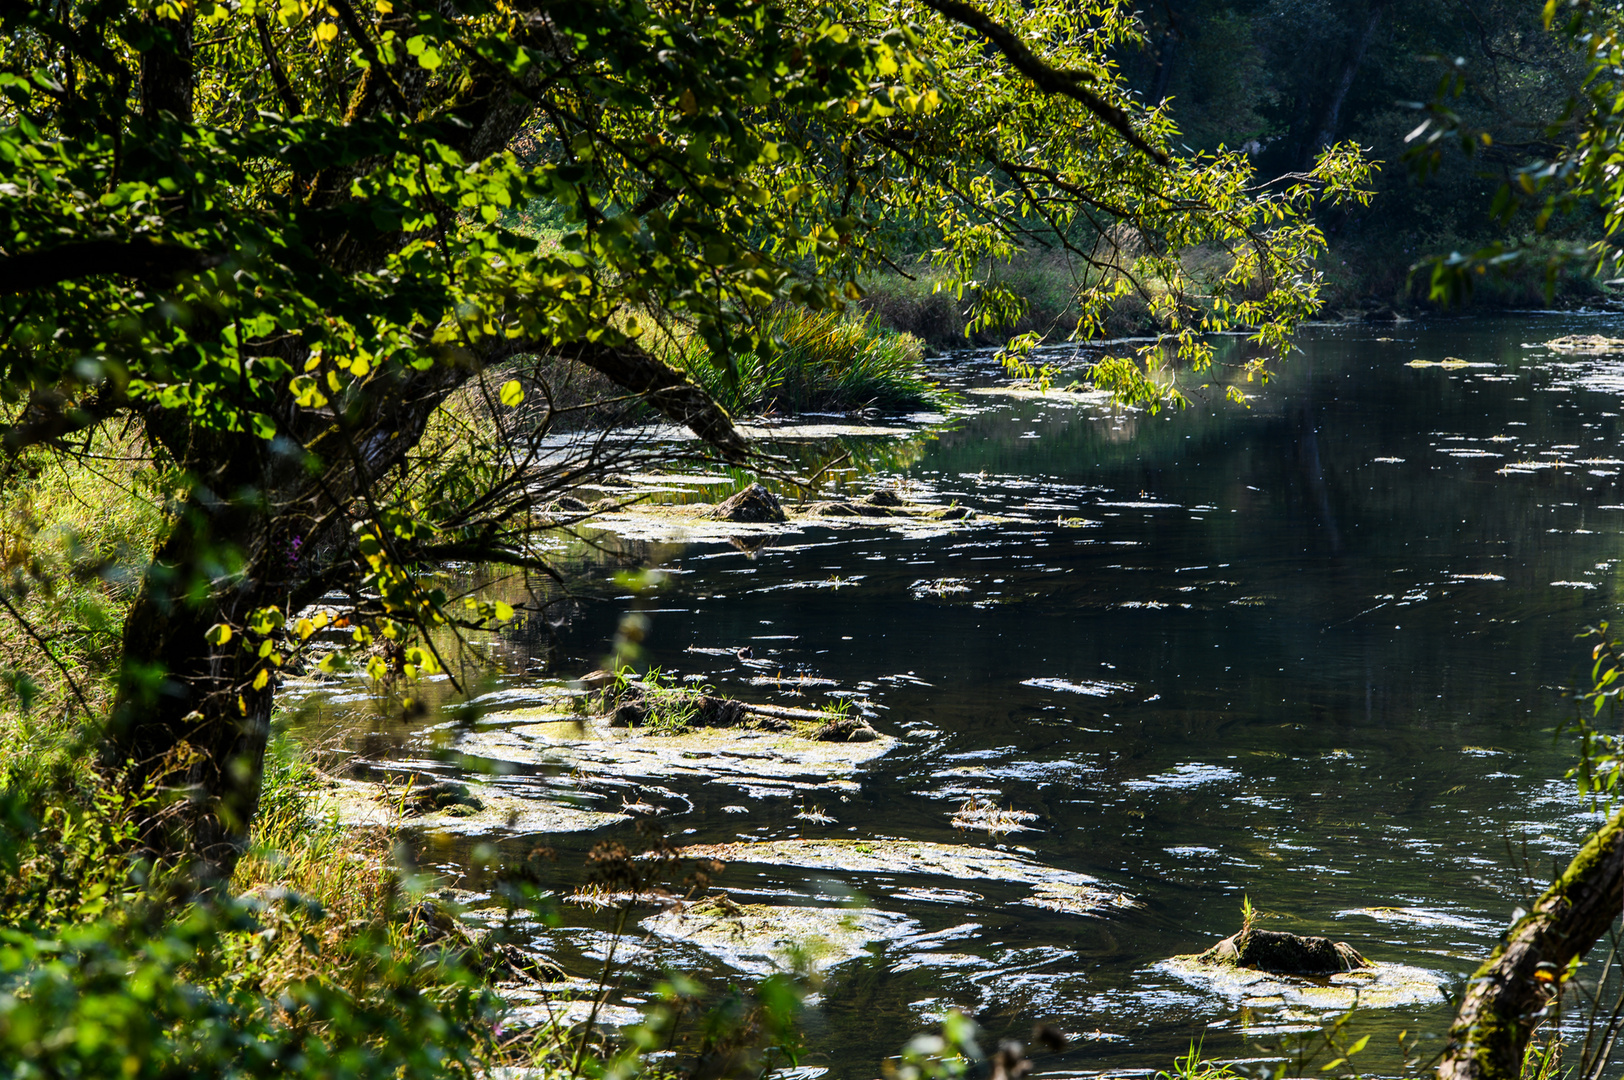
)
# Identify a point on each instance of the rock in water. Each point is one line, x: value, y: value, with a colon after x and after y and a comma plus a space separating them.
x: 754, y: 505
x: 441, y: 795
x: 1285, y: 954
x: 845, y: 729
x: 884, y: 497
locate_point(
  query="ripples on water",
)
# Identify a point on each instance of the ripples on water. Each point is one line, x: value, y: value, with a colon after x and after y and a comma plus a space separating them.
x: 1307, y: 651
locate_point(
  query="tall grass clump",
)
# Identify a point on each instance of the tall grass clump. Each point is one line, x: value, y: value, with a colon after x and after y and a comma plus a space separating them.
x: 822, y: 362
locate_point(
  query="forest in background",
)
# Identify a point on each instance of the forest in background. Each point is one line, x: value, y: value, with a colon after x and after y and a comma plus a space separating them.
x: 1285, y: 78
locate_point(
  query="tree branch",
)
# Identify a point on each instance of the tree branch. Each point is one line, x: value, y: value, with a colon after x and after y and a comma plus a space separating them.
x: 1051, y: 80
x: 1510, y: 994
x: 667, y: 390
x: 284, y: 89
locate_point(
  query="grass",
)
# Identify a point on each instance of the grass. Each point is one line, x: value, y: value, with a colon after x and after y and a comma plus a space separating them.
x: 822, y: 362
x: 669, y: 707
x: 76, y: 531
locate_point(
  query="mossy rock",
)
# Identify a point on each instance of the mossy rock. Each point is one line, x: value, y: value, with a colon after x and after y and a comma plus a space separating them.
x: 754, y: 505
x: 1280, y: 953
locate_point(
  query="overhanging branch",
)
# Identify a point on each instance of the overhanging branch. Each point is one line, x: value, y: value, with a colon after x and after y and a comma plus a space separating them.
x: 667, y: 390
x: 1051, y: 80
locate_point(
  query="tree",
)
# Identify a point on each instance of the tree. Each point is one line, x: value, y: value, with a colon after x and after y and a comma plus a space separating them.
x: 281, y: 237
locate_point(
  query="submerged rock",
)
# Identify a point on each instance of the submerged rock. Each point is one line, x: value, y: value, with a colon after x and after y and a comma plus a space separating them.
x: 636, y: 704
x: 443, y: 795
x: 884, y: 497
x: 754, y: 505
x: 834, y: 509
x: 1285, y: 954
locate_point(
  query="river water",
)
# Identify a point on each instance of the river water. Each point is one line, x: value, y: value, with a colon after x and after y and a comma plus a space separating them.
x: 1309, y: 651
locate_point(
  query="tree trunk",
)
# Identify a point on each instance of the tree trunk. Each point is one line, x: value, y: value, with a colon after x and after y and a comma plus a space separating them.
x: 188, y: 716
x: 1511, y: 993
x: 167, y: 77
x: 1332, y: 117
x: 1164, y: 61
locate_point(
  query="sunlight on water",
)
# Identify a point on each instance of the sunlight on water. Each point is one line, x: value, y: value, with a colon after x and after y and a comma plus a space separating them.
x: 1309, y: 652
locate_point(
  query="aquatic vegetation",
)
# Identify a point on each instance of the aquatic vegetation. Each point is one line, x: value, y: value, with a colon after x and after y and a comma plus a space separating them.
x: 990, y: 817
x: 1194, y: 1065
x: 1586, y: 345
x: 654, y: 700
x: 821, y: 361
x: 763, y: 938
x: 815, y: 815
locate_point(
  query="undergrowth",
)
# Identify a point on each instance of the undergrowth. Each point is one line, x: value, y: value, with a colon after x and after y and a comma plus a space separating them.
x: 821, y: 362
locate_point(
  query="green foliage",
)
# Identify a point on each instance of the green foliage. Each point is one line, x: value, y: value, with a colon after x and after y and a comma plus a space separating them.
x: 820, y: 361
x: 955, y: 1052
x: 108, y: 969
x: 1249, y: 914
x: 1570, y: 171
x: 669, y: 707
x: 1194, y: 1066
x: 1596, y: 721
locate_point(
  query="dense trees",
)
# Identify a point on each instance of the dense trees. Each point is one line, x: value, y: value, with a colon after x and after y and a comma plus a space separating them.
x: 279, y: 239
x: 1284, y: 77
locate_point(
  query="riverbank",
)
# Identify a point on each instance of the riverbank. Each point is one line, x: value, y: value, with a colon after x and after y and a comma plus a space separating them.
x: 1364, y: 281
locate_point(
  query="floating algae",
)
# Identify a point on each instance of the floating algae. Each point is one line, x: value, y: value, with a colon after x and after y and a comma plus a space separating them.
x: 762, y: 938
x: 356, y: 803
x: 725, y: 755
x: 1379, y: 986
x: 1052, y: 889
x: 1585, y: 345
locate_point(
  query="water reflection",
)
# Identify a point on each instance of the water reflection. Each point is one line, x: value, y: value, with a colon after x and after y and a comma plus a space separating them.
x: 1305, y: 650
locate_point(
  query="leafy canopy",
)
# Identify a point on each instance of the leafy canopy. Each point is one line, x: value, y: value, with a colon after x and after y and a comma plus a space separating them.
x: 282, y: 234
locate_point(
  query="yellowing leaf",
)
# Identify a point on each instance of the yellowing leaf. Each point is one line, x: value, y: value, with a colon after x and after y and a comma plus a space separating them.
x: 512, y: 393
x: 262, y: 678
x: 326, y: 32
x: 218, y: 634
x: 504, y: 612
x: 304, y: 628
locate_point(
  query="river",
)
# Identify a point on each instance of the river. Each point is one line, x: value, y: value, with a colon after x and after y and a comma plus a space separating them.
x: 1309, y: 651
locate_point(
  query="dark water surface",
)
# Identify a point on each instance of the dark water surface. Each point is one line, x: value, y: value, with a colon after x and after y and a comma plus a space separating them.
x: 1309, y: 651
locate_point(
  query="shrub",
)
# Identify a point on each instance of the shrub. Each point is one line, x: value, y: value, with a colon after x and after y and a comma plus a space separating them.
x: 822, y: 361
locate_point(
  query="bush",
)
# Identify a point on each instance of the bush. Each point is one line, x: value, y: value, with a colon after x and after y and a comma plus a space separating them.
x: 822, y: 362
